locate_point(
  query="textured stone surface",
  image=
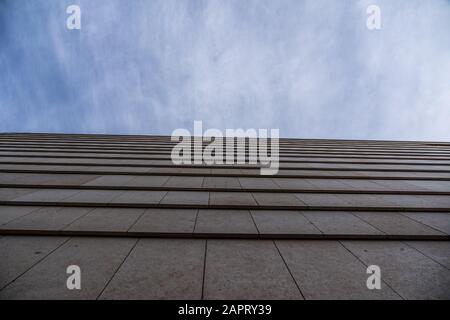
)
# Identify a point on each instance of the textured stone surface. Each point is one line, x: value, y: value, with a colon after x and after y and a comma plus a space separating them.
x: 394, y: 223
x: 7, y: 177
x: 339, y: 222
x: 294, y: 184
x: 247, y: 269
x: 329, y: 184
x: 166, y: 221
x: 226, y: 222
x: 437, y: 220
x: 232, y: 199
x: 10, y: 213
x: 160, y: 269
x: 326, y: 270
x: 407, y: 271
x: 443, y: 186
x: 139, y: 197
x: 7, y: 194
x: 221, y: 182
x: 70, y: 179
x: 439, y: 251
x: 258, y: 183
x: 366, y: 201
x: 186, y: 198
x: 109, y: 180
x: 283, y: 223
x: 184, y: 182
x: 147, y: 181
x: 98, y: 259
x: 94, y: 196
x: 363, y: 185
x: 48, y: 218
x: 320, y: 200
x: 47, y: 195
x: 20, y: 253
x: 277, y: 200
x: 107, y: 219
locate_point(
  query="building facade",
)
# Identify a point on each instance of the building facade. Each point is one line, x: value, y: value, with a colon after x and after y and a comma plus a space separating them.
x: 140, y: 227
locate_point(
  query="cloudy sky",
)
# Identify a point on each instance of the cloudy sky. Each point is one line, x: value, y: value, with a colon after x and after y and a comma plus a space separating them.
x: 308, y: 67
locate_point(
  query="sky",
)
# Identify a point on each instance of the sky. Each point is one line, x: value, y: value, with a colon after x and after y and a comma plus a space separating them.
x: 310, y: 68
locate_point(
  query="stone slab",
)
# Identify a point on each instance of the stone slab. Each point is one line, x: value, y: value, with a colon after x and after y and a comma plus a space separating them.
x: 231, y: 199
x: 221, y: 182
x: 184, y: 182
x: 160, y: 269
x: 326, y: 270
x: 19, y: 253
x: 186, y: 198
x: 94, y: 196
x: 10, y: 213
x: 147, y: 181
x: 247, y: 270
x: 175, y: 221
x: 407, y: 271
x: 438, y: 251
x: 139, y: 197
x: 393, y: 223
x: 437, y: 220
x: 8, y: 194
x: 283, y: 223
x: 106, y: 220
x: 363, y: 185
x: 294, y: 184
x: 110, y: 180
x: 98, y: 259
x: 69, y: 179
x: 47, y: 195
x: 258, y: 183
x: 47, y: 218
x: 329, y: 184
x: 320, y: 200
x: 277, y: 200
x: 340, y: 223
x: 225, y: 222
x: 367, y: 201
x: 443, y: 186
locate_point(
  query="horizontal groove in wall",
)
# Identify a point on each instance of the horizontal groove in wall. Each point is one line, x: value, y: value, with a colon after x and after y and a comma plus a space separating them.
x: 127, y: 188
x: 224, y: 207
x: 246, y: 175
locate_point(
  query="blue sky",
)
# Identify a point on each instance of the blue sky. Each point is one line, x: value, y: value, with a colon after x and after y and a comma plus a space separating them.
x: 310, y: 68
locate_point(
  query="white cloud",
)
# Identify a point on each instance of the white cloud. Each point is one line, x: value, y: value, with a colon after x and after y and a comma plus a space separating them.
x: 310, y: 68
